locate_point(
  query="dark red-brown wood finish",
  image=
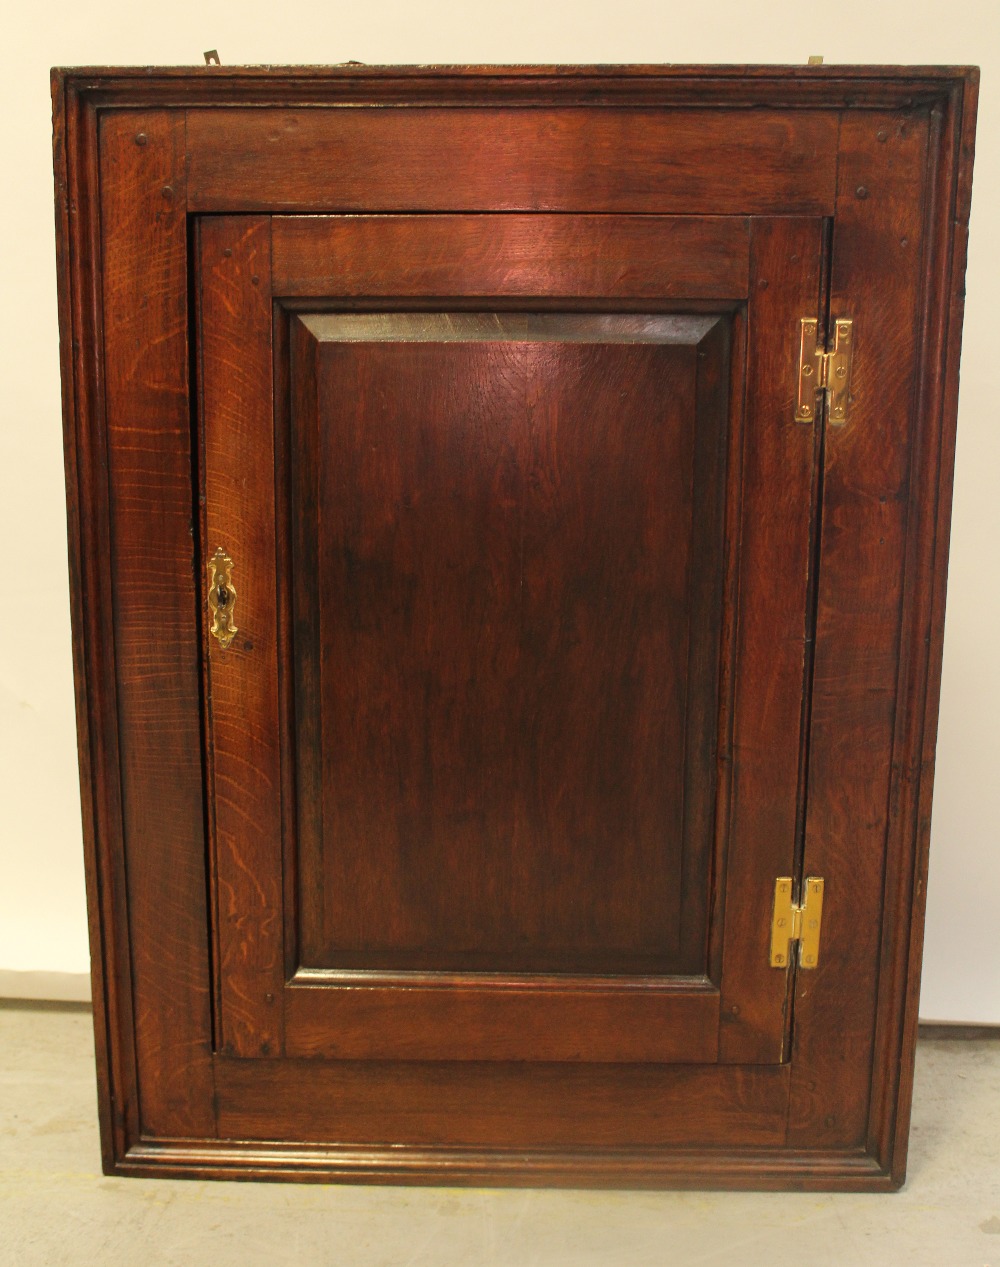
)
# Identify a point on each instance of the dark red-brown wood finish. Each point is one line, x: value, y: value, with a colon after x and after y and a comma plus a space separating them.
x: 559, y: 639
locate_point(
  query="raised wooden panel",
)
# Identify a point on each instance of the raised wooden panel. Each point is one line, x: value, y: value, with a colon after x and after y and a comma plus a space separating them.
x: 462, y: 563
x: 506, y: 553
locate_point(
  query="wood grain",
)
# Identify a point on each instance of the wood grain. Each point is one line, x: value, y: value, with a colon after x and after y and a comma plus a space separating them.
x: 377, y: 881
x: 509, y: 1106
x: 144, y: 264
x: 242, y: 679
x: 502, y: 589
x: 780, y: 458
x: 475, y: 1016
x: 80, y: 337
x: 658, y: 86
x: 952, y: 136
x: 662, y: 257
x: 131, y: 485
x: 474, y: 159
x: 669, y: 1166
x: 880, y: 217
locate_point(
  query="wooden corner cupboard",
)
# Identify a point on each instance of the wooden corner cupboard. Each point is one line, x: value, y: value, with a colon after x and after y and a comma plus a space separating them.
x: 508, y: 520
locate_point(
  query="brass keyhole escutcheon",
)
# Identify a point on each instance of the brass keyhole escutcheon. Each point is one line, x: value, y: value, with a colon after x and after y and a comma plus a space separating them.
x: 221, y: 597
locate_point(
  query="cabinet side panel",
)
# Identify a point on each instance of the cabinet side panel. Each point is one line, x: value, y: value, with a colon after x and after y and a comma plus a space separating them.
x: 949, y: 181
x: 876, y: 280
x: 156, y: 613
x: 78, y: 258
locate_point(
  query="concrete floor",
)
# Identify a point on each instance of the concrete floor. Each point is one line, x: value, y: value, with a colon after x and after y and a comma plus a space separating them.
x: 57, y: 1208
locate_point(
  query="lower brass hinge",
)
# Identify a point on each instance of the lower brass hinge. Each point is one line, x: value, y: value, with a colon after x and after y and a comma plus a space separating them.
x: 791, y: 923
x: 820, y: 370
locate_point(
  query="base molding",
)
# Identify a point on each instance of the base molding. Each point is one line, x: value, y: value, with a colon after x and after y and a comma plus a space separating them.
x: 618, y: 1168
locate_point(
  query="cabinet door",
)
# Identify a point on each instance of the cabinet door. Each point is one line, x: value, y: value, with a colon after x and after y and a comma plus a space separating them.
x: 507, y: 522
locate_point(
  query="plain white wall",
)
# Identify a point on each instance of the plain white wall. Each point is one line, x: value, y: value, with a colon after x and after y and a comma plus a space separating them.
x: 42, y: 916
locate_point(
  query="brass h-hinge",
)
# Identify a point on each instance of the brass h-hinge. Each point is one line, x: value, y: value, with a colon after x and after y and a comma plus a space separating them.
x: 796, y: 923
x: 824, y: 371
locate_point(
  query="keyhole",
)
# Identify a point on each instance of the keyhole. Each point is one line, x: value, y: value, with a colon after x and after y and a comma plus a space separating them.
x: 222, y: 596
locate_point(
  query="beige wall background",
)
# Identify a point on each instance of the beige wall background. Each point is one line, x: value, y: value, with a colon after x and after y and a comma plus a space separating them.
x: 42, y: 912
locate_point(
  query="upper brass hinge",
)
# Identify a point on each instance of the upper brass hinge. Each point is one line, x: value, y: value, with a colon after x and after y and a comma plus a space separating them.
x: 792, y: 923
x: 828, y: 371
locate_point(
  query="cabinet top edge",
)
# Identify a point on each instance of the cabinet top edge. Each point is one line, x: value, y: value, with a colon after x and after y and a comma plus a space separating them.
x: 627, y: 86
x: 94, y: 75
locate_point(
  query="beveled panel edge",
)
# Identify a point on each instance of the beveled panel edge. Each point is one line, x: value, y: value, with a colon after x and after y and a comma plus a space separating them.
x: 542, y: 982
x: 503, y: 326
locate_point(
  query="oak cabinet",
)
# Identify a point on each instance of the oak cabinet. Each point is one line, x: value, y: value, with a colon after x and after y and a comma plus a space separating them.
x: 508, y: 530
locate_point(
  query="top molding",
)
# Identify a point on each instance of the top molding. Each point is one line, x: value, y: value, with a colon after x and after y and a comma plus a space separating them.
x: 348, y: 83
